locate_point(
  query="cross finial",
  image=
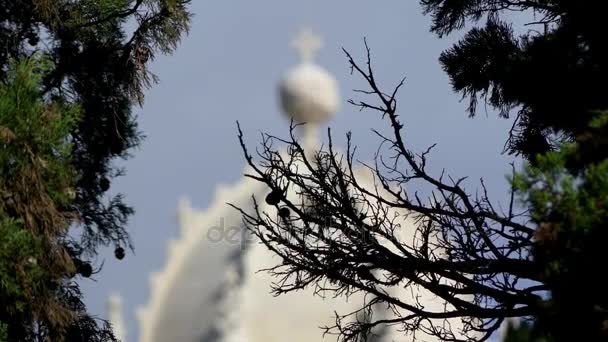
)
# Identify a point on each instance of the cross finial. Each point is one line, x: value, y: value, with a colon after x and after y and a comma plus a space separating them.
x: 307, y: 43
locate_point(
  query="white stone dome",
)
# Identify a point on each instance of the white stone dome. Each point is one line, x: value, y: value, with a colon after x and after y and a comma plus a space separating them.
x: 309, y: 93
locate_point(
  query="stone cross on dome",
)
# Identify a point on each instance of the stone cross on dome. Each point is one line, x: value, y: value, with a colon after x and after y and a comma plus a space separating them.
x: 308, y: 93
x: 307, y: 43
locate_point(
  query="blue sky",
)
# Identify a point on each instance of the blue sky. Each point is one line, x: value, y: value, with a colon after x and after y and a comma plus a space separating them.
x: 227, y: 69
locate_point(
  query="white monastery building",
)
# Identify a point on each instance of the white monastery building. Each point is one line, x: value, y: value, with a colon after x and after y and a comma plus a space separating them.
x: 209, y: 289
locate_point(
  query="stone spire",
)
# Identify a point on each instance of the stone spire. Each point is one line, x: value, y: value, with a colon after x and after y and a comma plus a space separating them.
x: 115, y: 317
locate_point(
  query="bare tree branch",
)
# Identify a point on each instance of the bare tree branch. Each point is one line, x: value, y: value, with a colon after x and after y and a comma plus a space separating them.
x: 355, y: 228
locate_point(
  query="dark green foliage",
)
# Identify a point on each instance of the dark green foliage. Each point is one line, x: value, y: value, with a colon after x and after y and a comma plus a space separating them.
x: 36, y: 178
x: 72, y: 73
x: 3, y: 332
x: 103, y: 69
x: 21, y: 278
x: 521, y: 332
x: 570, y: 208
x: 553, y: 76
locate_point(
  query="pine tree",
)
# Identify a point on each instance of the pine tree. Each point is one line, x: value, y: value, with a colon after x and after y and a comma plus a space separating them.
x: 36, y: 182
x: 521, y: 332
x: 552, y: 77
x: 568, y: 207
x: 72, y: 72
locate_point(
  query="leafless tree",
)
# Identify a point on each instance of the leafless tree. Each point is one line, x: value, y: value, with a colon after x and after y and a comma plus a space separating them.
x: 342, y: 237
